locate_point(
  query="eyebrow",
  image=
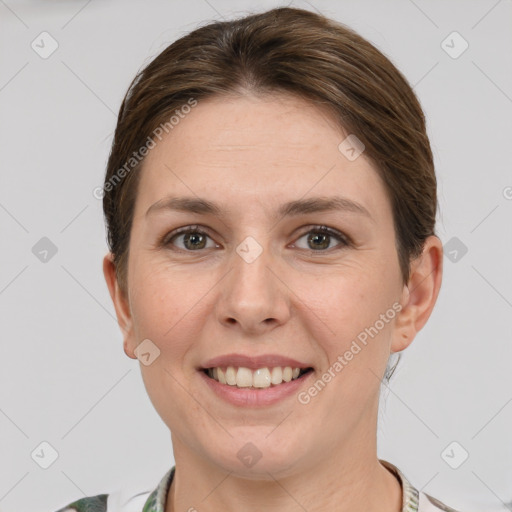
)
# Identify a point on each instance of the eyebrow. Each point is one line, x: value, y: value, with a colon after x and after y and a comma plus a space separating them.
x: 292, y: 208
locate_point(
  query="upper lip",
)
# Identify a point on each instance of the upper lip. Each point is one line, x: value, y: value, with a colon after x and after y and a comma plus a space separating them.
x: 253, y: 362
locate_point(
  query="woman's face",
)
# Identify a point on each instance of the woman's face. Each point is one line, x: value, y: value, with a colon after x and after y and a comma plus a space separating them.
x: 253, y: 279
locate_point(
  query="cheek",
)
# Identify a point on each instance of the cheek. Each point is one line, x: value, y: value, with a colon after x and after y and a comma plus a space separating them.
x: 156, y: 306
x: 348, y: 306
x: 170, y: 309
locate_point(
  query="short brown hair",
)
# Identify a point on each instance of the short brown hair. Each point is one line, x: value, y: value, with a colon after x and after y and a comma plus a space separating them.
x: 298, y: 52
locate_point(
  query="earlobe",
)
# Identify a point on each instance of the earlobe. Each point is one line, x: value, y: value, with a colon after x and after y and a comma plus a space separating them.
x: 420, y: 294
x: 121, y: 304
x: 404, y: 333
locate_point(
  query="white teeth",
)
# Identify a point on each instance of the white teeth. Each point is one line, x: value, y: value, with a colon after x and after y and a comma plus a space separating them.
x: 277, y: 375
x: 221, y: 376
x: 243, y: 377
x: 261, y: 378
x: 230, y: 376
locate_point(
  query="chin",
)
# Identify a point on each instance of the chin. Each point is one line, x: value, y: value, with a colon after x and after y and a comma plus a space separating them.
x: 253, y: 454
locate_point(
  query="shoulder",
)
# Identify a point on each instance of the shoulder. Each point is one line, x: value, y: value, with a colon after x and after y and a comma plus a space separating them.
x: 96, y: 503
x: 428, y: 503
x: 124, y: 499
x: 414, y: 500
x: 120, y: 501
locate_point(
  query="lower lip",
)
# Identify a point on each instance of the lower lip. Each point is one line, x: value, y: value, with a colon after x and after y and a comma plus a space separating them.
x: 248, y: 397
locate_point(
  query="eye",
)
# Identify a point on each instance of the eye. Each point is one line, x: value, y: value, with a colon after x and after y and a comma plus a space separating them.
x: 319, y: 238
x: 194, y: 239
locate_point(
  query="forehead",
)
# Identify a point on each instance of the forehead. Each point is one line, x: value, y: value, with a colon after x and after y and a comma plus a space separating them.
x: 246, y: 149
x: 270, y: 126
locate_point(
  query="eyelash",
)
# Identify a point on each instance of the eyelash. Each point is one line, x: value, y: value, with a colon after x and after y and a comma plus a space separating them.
x: 167, y: 239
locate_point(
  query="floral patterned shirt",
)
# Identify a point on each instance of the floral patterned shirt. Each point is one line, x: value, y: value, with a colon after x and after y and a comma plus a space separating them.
x: 155, y: 501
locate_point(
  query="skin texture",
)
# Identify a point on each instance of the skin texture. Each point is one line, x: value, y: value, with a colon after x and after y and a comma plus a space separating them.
x: 251, y: 154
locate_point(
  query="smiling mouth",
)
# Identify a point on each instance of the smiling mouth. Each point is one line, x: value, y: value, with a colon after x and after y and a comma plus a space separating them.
x: 262, y: 378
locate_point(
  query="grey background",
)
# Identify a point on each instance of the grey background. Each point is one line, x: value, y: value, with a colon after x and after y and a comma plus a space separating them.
x: 63, y: 373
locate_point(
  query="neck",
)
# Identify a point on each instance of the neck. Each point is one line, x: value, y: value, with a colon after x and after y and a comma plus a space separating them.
x: 351, y: 479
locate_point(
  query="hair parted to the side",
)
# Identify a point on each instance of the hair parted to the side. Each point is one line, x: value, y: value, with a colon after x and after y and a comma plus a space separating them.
x: 293, y: 51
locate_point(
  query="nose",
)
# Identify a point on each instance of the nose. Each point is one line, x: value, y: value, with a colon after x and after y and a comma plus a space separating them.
x: 254, y: 297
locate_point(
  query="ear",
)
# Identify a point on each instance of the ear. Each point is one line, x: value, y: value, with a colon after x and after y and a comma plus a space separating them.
x: 121, y: 304
x: 420, y: 294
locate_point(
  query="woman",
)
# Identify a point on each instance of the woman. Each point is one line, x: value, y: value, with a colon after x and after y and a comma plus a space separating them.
x: 270, y: 200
